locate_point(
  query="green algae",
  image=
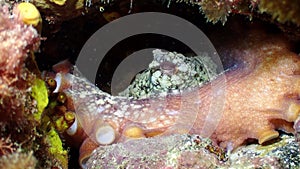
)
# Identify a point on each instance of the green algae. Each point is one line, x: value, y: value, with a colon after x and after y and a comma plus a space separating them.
x: 56, y: 148
x: 40, y: 93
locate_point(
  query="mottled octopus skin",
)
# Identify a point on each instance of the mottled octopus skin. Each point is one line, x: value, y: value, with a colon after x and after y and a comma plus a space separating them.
x: 261, y: 94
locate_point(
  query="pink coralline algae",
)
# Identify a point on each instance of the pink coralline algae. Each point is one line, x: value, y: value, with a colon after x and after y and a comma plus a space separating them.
x: 6, y: 146
x: 17, y: 39
x: 17, y: 42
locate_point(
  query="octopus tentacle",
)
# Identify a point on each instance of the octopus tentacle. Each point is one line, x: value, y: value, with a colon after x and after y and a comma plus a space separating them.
x: 86, y: 149
x: 266, y: 134
x: 293, y: 111
x: 260, y: 96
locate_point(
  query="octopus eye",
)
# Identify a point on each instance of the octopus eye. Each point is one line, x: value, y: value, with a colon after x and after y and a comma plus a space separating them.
x: 61, y: 98
x: 51, y: 83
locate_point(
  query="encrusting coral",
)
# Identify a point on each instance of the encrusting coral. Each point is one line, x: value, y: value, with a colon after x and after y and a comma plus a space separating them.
x: 171, y: 71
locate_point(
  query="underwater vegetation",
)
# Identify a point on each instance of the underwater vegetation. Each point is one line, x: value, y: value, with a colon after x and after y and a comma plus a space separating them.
x: 23, y: 96
x: 157, y: 120
x: 214, y: 10
x: 281, y: 11
x: 219, y: 10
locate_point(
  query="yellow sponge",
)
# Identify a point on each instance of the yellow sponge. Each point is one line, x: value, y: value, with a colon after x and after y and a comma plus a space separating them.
x: 29, y: 13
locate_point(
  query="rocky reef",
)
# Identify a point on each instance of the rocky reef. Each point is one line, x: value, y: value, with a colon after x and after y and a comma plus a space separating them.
x: 169, y: 72
x: 192, y: 151
x: 176, y: 151
x: 170, y: 115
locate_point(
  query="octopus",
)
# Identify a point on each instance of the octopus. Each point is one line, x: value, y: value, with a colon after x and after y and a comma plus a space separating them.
x: 254, y: 99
